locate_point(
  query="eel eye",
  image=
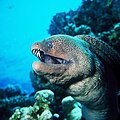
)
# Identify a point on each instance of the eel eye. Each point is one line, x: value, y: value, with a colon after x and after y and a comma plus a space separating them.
x: 50, y: 45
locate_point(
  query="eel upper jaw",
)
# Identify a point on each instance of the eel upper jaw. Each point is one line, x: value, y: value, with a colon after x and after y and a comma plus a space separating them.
x: 48, y: 59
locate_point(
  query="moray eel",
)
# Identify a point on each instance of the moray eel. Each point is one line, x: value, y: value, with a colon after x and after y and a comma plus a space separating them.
x: 83, y: 66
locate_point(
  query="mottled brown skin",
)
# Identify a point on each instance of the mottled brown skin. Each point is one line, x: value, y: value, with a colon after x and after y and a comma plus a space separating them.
x: 84, y: 76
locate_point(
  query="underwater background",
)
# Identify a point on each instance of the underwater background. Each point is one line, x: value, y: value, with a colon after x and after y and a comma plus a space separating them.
x: 22, y: 22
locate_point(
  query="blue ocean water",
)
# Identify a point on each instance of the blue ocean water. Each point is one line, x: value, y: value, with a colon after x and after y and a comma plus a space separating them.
x: 22, y: 22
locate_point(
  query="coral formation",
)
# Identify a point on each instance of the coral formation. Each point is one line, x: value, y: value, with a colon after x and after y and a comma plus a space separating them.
x: 82, y: 29
x: 11, y: 98
x: 71, y: 108
x: 112, y: 37
x: 93, y: 13
x: 93, y: 17
x: 40, y: 109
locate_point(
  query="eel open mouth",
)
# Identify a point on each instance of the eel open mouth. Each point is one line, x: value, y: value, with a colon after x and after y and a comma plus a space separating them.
x: 48, y: 58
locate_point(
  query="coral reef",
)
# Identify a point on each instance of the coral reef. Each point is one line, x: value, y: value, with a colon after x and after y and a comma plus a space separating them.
x: 14, y: 100
x: 82, y: 29
x: 93, y: 13
x: 11, y: 98
x: 40, y: 109
x: 112, y: 37
x: 93, y: 17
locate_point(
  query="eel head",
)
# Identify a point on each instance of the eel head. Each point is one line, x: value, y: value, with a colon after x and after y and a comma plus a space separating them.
x: 62, y: 58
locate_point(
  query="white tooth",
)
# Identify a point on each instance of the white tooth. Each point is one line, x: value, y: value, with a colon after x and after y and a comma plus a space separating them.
x: 60, y: 61
x: 64, y: 61
x: 38, y: 54
x: 33, y: 51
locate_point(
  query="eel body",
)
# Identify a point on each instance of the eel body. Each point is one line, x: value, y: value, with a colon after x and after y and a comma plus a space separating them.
x: 82, y: 66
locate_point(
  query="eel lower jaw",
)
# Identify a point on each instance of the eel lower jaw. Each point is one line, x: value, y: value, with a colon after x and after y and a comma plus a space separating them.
x: 42, y: 68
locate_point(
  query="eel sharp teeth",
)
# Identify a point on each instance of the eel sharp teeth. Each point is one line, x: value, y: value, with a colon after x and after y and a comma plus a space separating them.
x: 38, y: 54
x: 33, y: 51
